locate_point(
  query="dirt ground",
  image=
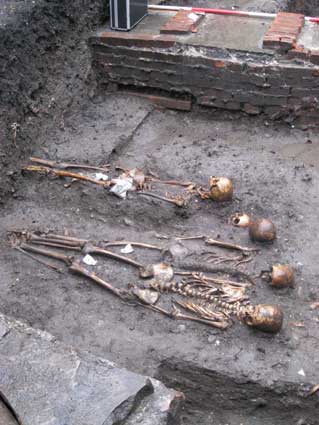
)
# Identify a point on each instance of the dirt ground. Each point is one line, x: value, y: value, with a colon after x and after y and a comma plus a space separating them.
x: 229, y: 377
x: 275, y: 173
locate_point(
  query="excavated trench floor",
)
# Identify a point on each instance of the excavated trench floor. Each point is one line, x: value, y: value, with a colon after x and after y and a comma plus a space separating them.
x: 237, y: 376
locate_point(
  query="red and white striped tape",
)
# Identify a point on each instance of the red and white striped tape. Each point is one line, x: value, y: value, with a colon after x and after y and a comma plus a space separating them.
x: 224, y: 12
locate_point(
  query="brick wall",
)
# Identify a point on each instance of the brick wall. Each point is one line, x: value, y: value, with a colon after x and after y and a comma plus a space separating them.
x: 255, y: 83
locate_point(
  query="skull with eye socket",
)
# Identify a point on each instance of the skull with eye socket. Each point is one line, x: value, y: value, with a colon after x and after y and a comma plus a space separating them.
x: 240, y: 220
x: 264, y: 317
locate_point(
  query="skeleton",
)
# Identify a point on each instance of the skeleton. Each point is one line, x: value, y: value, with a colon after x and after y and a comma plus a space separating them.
x: 264, y: 317
x: 132, y: 179
x: 211, y: 301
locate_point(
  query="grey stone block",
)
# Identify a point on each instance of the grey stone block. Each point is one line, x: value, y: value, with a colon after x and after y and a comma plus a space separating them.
x: 46, y: 382
x: 160, y: 408
x: 6, y: 418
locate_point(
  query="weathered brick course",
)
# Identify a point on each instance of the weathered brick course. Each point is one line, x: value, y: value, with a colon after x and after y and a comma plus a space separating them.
x: 283, y: 31
x: 281, y: 89
x: 136, y: 40
x: 314, y: 57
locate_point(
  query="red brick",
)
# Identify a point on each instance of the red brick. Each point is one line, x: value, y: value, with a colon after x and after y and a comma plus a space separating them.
x: 283, y: 31
x: 282, y: 35
x: 272, y: 39
x: 182, y: 23
x: 287, y: 15
x: 287, y: 39
x: 296, y: 22
x: 164, y: 101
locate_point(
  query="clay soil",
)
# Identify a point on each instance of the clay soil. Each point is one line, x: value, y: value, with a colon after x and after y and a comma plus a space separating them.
x: 229, y: 377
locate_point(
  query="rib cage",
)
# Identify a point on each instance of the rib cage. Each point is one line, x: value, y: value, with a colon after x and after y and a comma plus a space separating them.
x: 185, y: 289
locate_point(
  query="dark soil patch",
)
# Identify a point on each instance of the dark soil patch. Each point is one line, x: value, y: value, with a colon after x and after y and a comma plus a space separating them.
x: 44, y: 71
x: 307, y: 7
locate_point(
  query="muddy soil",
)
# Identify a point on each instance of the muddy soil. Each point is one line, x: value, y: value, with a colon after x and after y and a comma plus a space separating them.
x: 307, y: 7
x: 229, y: 377
x: 44, y: 70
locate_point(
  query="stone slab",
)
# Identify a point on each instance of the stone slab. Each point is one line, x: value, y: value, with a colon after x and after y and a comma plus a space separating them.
x: 229, y: 32
x: 46, y: 382
x: 309, y: 37
x: 6, y: 418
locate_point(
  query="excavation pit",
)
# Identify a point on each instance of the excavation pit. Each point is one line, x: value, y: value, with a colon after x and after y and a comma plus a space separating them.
x: 228, y: 377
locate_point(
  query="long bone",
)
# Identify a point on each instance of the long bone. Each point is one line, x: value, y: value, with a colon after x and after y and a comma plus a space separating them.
x: 62, y: 173
x: 63, y: 242
x: 176, y: 314
x: 179, y: 202
x: 77, y: 268
x: 137, y: 244
x: 55, y: 244
x: 87, y: 249
x: 77, y: 245
x: 48, y: 253
x: 38, y: 260
x: 66, y: 238
x: 172, y: 182
x: 199, y: 267
x: 74, y: 266
x: 90, y: 249
x: 65, y: 165
x: 218, y: 243
x: 71, y: 241
x: 228, y: 245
